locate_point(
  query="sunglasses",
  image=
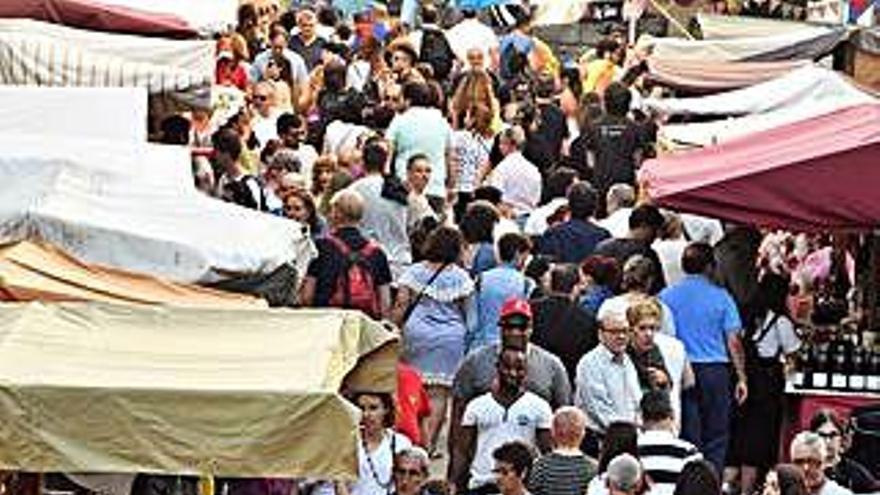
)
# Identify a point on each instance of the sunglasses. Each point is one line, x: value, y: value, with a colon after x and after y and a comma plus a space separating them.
x: 827, y: 435
x: 261, y: 97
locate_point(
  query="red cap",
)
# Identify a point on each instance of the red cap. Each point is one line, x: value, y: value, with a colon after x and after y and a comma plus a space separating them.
x: 516, y: 306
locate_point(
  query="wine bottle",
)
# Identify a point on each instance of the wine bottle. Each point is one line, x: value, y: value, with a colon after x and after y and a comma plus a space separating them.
x: 839, y: 377
x: 800, y: 367
x: 820, y: 372
x: 809, y: 365
x: 873, y: 379
x: 857, y: 378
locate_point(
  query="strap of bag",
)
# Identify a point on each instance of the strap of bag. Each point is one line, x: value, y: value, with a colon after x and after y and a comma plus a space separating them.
x: 415, y: 302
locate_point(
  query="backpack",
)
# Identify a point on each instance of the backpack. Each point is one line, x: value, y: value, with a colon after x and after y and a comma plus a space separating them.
x: 355, y: 288
x: 437, y: 52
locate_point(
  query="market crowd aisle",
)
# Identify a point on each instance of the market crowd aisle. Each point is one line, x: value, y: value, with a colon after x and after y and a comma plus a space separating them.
x: 572, y: 318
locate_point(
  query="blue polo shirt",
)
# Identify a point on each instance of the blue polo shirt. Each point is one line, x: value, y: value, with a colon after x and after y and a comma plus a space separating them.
x: 705, y: 316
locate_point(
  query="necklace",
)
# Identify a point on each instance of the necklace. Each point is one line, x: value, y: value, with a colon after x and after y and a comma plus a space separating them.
x: 386, y: 485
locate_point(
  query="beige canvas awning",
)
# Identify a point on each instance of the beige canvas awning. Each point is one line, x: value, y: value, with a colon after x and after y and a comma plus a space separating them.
x: 31, y: 270
x: 119, y: 389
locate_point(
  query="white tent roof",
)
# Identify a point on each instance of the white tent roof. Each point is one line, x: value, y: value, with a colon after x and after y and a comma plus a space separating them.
x: 113, y: 114
x: 809, y: 84
x: 799, y: 95
x: 43, y: 54
x: 131, y: 212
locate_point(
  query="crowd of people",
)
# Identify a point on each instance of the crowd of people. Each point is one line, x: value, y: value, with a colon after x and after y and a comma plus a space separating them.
x: 565, y: 335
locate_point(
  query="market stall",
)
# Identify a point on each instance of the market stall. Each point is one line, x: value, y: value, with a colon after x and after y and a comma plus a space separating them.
x: 799, y: 95
x: 95, y: 388
x: 99, y: 16
x: 36, y: 271
x: 817, y: 176
x: 126, y: 211
x: 35, y: 53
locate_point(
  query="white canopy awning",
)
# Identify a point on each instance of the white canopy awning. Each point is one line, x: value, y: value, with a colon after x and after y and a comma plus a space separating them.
x: 111, y: 114
x: 134, y: 207
x: 37, y: 53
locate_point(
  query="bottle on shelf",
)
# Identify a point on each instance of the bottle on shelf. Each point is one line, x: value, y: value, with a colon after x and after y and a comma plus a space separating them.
x: 873, y: 378
x: 839, y: 378
x: 860, y: 369
x: 820, y: 370
x: 800, y: 367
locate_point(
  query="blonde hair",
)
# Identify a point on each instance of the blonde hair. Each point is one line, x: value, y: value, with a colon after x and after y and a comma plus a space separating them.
x: 569, y: 426
x: 644, y: 307
x: 347, y: 206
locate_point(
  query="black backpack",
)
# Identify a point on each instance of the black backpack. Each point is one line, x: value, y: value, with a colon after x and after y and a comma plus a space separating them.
x: 437, y: 52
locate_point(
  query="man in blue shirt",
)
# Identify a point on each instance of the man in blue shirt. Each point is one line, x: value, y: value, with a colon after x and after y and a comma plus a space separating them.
x: 494, y: 287
x: 708, y: 324
x: 574, y: 240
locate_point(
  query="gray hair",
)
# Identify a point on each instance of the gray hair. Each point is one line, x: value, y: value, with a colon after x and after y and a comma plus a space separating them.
x: 516, y: 135
x: 809, y: 440
x: 286, y: 159
x: 638, y: 272
x: 416, y: 454
x: 621, y: 196
x: 624, y: 473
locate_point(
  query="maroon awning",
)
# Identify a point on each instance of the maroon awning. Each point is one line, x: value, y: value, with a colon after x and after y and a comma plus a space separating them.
x: 817, y: 174
x: 96, y: 16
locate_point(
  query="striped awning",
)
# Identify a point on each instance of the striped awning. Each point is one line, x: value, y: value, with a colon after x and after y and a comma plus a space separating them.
x: 35, y: 53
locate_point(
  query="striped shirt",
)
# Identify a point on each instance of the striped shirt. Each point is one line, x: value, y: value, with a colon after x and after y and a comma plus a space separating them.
x: 560, y: 474
x: 663, y: 457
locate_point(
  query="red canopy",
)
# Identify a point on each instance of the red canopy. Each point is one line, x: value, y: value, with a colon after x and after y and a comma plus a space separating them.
x: 96, y: 16
x: 821, y: 173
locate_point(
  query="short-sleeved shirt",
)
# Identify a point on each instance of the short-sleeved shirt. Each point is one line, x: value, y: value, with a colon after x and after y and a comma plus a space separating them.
x: 572, y: 241
x: 497, y: 425
x: 328, y: 265
x: 560, y: 474
x: 705, y: 316
x: 545, y: 375
x: 519, y: 181
x: 422, y: 130
x: 311, y: 54
x: 780, y: 337
x: 385, y: 221
x: 614, y: 142
x: 413, y: 402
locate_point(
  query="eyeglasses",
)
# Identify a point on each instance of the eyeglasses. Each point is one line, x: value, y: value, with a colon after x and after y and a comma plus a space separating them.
x: 261, y: 97
x: 411, y: 473
x: 828, y: 435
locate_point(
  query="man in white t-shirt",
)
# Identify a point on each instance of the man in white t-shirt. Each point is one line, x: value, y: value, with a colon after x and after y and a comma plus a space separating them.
x: 518, y: 179
x: 507, y: 413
